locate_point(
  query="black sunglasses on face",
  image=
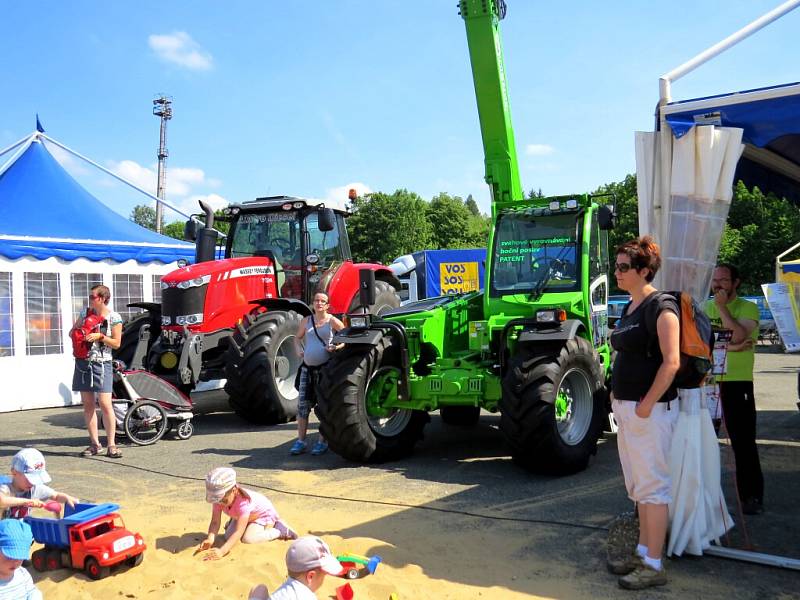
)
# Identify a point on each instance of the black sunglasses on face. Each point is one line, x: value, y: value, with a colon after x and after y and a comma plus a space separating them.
x: 623, y: 267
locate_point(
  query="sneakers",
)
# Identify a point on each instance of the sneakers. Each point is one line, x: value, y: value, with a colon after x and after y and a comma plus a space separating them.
x: 624, y: 565
x: 752, y: 506
x: 286, y: 532
x: 643, y: 576
x: 319, y: 448
x: 298, y: 447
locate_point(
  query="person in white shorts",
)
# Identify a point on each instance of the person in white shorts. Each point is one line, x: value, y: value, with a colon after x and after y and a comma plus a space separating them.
x: 642, y: 395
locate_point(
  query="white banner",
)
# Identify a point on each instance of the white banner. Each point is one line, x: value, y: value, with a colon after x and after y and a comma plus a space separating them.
x: 781, y: 302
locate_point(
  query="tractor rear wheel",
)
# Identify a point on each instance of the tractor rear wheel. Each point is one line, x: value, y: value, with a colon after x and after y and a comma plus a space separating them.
x: 552, y: 408
x: 386, y: 298
x: 356, y: 380
x: 460, y: 416
x: 130, y: 335
x: 261, y: 365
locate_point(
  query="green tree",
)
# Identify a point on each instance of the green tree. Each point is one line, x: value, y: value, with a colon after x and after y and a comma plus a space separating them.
x: 532, y: 194
x: 623, y: 195
x: 449, y: 219
x: 144, y: 216
x: 472, y: 206
x: 174, y: 229
x: 385, y: 226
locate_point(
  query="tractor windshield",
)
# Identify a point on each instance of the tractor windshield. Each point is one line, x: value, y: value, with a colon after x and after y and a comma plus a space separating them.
x: 262, y: 234
x: 534, y: 254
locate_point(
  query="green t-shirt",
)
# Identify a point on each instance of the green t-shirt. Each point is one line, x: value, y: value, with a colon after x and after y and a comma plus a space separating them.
x: 740, y: 364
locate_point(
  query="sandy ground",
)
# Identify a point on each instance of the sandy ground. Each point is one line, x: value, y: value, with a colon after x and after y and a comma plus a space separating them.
x: 457, y: 520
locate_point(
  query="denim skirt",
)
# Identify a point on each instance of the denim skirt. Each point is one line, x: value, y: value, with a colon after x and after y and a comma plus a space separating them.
x: 92, y: 376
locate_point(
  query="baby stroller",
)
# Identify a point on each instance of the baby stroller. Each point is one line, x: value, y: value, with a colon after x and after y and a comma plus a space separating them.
x: 147, y: 407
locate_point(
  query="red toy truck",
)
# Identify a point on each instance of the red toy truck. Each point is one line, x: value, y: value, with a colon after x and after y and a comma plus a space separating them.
x: 90, y: 537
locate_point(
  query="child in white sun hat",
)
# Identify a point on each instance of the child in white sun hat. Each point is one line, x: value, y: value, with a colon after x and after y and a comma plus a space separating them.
x: 253, y: 518
x: 308, y: 560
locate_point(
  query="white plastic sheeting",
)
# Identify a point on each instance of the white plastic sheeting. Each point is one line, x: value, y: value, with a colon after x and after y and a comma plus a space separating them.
x: 685, y: 188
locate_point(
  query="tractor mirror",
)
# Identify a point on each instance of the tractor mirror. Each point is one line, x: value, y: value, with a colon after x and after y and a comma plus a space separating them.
x: 190, y: 230
x: 605, y: 217
x: 326, y: 219
x: 366, y: 287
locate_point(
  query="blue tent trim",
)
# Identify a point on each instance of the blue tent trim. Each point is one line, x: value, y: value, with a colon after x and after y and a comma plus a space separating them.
x: 763, y: 120
x: 44, y: 212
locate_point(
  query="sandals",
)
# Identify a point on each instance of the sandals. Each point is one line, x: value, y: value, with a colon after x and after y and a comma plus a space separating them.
x: 113, y: 452
x: 92, y: 451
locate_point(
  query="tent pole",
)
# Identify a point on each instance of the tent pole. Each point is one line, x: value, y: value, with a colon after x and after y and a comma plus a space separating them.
x: 666, y: 80
x: 15, y: 144
x: 754, y: 557
x: 18, y: 153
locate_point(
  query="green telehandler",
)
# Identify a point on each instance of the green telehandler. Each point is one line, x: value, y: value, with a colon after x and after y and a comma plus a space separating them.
x: 532, y: 345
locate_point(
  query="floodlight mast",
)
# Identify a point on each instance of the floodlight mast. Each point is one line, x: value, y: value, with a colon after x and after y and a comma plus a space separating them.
x: 162, y: 108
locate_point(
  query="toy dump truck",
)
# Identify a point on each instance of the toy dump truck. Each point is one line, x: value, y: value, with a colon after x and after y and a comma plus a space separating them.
x: 90, y: 537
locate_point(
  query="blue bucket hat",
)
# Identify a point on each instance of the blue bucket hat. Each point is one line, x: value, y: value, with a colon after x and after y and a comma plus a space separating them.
x: 15, y: 539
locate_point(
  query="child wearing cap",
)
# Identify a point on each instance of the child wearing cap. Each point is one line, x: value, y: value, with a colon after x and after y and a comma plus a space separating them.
x: 15, y: 546
x: 27, y: 487
x: 253, y: 518
x: 308, y: 560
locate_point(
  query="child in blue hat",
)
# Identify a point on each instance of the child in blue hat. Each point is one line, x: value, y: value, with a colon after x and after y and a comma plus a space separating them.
x: 27, y: 487
x: 15, y: 546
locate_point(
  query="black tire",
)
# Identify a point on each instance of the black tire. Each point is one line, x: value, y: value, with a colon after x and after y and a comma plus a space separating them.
x: 39, y: 559
x: 386, y: 298
x: 135, y: 561
x: 130, y: 335
x: 349, y: 429
x: 539, y: 440
x: 53, y: 559
x: 94, y: 570
x: 261, y: 365
x: 184, y: 430
x: 460, y: 416
x: 145, y: 422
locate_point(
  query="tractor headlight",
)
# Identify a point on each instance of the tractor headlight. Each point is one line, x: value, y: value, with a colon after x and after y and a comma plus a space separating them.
x: 555, y: 315
x: 572, y: 204
x: 555, y: 205
x: 165, y: 320
x: 196, y: 282
x: 194, y: 319
x: 359, y: 321
x: 168, y: 360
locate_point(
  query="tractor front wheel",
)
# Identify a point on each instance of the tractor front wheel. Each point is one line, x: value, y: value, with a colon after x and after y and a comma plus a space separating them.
x: 130, y: 335
x: 356, y: 382
x: 551, y: 411
x: 386, y: 298
x: 261, y: 365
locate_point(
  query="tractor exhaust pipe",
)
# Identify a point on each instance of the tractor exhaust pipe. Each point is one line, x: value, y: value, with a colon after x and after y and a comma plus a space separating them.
x: 206, y: 243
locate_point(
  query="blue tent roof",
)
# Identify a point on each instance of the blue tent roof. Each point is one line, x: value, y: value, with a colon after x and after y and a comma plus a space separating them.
x: 44, y: 212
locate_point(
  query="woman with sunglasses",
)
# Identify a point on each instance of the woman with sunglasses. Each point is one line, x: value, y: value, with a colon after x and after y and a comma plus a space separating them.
x: 93, y: 376
x: 647, y: 342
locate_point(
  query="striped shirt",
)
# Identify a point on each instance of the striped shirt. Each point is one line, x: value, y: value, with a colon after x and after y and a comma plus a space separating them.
x: 19, y: 587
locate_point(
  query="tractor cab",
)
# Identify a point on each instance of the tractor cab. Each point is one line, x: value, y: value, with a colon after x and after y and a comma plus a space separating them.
x: 305, y: 240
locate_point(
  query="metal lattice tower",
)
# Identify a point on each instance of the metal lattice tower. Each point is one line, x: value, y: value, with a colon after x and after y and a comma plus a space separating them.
x: 162, y: 108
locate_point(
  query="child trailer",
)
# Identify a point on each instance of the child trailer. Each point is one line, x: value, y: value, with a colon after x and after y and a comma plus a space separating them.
x: 151, y: 406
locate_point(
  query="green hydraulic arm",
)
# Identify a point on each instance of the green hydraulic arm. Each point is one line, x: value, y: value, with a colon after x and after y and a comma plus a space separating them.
x: 482, y: 18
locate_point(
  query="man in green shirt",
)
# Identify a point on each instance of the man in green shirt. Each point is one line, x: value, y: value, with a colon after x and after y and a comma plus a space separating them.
x: 728, y: 311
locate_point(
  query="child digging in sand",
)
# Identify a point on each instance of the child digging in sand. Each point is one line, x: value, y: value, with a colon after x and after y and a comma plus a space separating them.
x: 253, y: 518
x: 27, y: 486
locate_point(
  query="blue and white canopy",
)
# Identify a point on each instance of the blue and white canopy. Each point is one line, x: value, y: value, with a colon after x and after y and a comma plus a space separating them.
x: 45, y: 213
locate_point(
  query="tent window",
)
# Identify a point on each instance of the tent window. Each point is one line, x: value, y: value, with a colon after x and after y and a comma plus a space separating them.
x: 6, y: 316
x: 81, y: 284
x: 156, y: 288
x: 42, y: 314
x: 127, y: 288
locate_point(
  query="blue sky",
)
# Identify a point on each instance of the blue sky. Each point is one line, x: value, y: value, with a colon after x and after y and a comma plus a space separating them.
x: 309, y: 98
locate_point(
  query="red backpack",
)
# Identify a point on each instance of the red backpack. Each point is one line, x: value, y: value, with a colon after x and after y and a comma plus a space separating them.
x: 90, y: 324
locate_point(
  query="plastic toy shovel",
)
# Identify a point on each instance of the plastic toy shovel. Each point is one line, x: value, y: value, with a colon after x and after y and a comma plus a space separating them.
x: 344, y: 592
x: 53, y: 506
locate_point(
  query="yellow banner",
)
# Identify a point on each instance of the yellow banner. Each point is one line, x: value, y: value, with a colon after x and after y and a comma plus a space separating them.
x: 459, y: 277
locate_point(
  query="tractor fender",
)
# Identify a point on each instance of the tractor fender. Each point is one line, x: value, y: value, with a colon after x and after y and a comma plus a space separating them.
x: 153, y: 307
x: 370, y: 337
x: 344, y: 285
x: 297, y: 306
x: 566, y: 331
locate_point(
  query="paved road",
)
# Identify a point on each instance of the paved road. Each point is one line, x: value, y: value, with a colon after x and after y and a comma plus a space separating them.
x: 457, y: 471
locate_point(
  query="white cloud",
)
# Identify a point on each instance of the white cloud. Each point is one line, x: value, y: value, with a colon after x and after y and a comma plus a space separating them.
x: 180, y: 49
x: 338, y: 196
x: 69, y: 161
x: 539, y: 150
x: 142, y: 177
x: 191, y: 205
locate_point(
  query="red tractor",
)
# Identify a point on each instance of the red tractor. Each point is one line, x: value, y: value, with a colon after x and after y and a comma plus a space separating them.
x: 236, y: 318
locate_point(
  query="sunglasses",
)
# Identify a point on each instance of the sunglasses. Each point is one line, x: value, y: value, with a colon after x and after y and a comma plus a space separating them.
x: 623, y: 267
x: 93, y: 297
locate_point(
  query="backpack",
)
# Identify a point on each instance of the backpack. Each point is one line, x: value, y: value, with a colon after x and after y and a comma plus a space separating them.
x: 90, y: 324
x: 696, y: 341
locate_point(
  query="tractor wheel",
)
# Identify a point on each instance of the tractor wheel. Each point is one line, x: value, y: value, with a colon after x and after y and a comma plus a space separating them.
x: 355, y: 379
x: 39, y: 559
x: 94, y: 570
x: 261, y: 366
x: 130, y: 335
x: 551, y: 411
x: 386, y: 298
x: 461, y: 416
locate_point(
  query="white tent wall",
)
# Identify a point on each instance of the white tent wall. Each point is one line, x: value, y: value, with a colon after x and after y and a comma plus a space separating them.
x: 45, y: 380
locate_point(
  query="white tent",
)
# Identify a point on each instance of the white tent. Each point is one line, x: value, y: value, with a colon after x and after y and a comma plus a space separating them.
x: 56, y: 242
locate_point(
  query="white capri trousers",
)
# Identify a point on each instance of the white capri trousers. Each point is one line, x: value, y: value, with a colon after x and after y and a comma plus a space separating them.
x: 644, y: 450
